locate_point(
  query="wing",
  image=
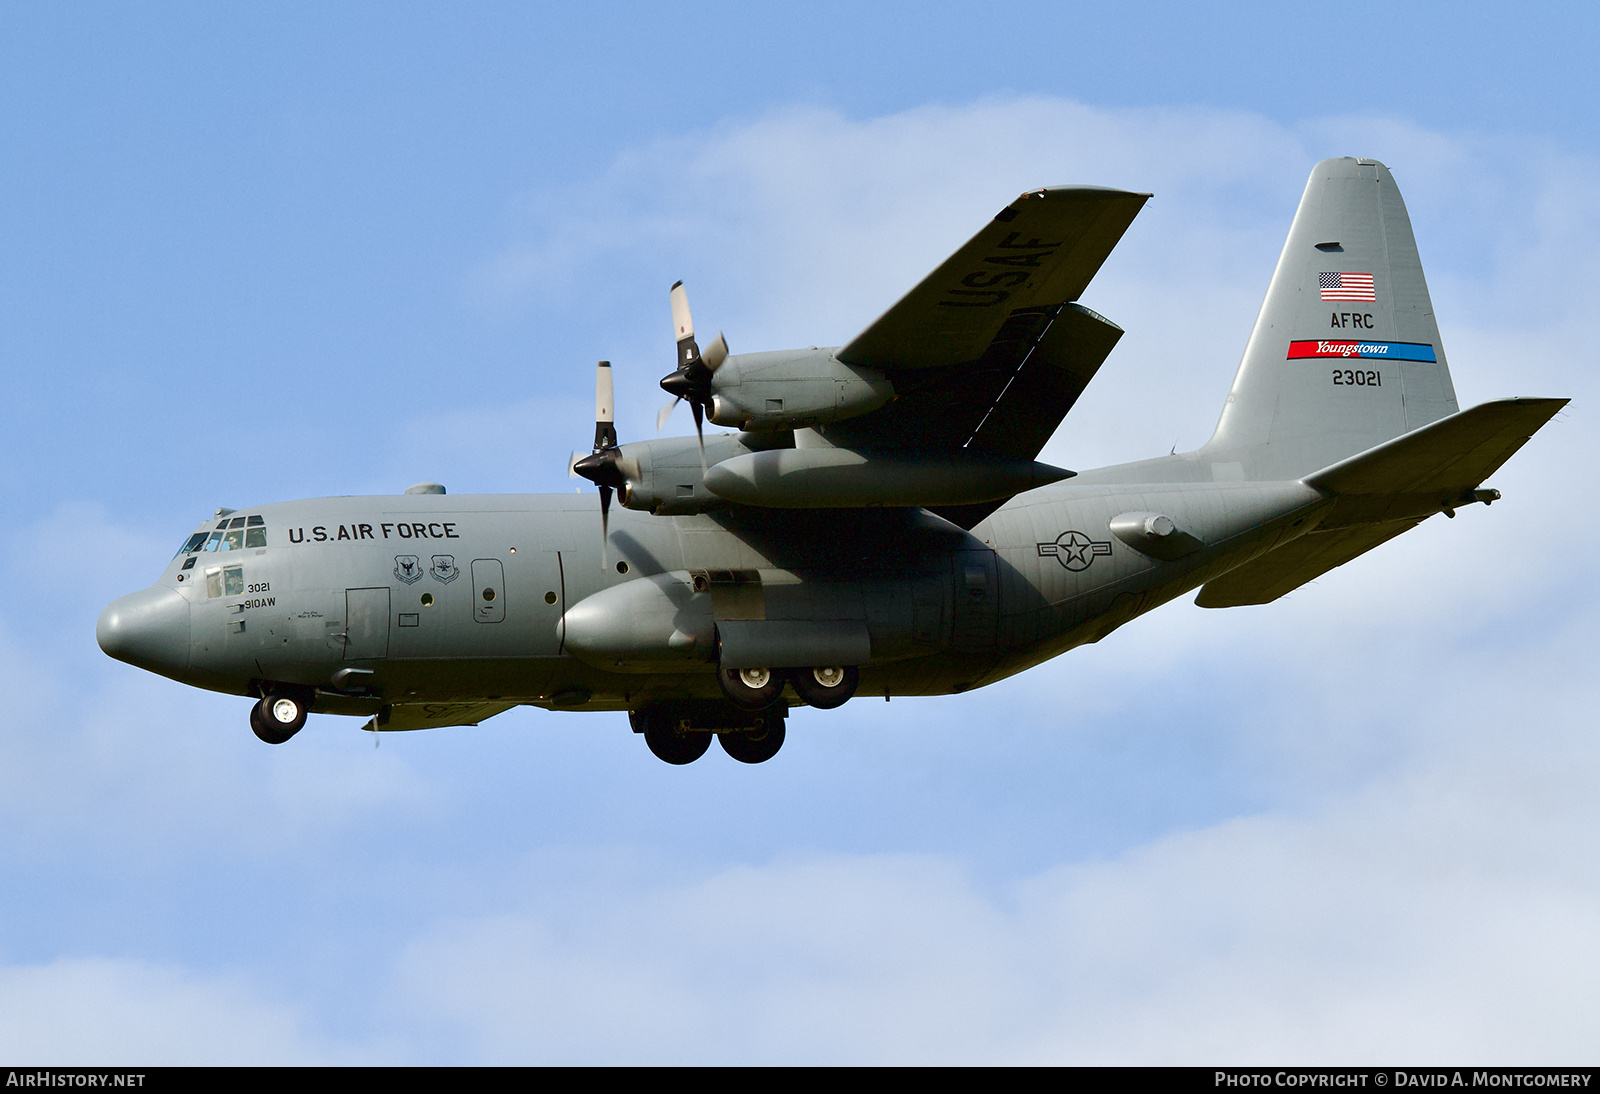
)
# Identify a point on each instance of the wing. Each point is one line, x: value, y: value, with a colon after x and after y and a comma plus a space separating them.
x: 989, y: 352
x: 1038, y: 252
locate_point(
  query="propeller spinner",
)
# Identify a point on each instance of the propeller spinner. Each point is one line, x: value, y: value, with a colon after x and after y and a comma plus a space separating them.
x: 691, y: 381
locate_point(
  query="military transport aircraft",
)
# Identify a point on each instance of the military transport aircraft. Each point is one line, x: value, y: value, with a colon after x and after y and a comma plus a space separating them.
x: 877, y: 526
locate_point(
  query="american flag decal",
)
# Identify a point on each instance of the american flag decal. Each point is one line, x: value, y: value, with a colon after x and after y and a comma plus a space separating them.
x: 1346, y: 286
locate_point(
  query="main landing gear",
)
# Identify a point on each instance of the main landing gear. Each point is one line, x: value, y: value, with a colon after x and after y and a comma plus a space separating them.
x: 825, y: 687
x: 681, y: 734
x: 279, y: 716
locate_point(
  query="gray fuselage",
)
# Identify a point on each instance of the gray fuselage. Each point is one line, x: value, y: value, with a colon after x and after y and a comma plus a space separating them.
x: 446, y: 598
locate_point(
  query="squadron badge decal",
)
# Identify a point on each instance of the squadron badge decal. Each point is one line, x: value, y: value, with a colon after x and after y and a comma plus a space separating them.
x: 1074, y: 550
x: 408, y: 568
x: 444, y: 568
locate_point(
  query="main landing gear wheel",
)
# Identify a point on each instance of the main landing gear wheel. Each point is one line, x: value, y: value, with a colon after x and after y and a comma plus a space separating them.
x: 670, y: 742
x: 276, y: 718
x: 750, y: 689
x: 827, y: 687
x: 752, y: 747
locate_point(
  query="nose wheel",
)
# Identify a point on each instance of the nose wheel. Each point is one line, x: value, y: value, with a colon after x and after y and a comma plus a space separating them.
x: 276, y: 718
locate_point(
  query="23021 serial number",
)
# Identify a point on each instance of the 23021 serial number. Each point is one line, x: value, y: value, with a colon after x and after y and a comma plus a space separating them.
x: 1352, y: 377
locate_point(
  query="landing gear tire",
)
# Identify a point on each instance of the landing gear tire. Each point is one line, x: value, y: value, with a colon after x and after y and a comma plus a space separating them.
x: 827, y: 687
x: 751, y: 689
x: 752, y: 747
x: 671, y: 743
x: 276, y: 718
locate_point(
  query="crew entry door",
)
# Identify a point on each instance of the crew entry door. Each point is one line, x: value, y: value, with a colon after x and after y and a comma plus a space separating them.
x: 366, y: 623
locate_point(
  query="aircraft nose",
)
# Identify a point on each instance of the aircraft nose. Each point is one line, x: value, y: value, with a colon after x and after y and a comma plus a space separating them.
x: 149, y: 628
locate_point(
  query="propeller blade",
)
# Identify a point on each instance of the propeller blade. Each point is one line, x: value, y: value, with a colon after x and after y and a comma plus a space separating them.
x: 699, y: 432
x: 666, y: 412
x: 605, y: 429
x: 572, y: 466
x: 716, y: 353
x: 602, y: 466
x: 683, y: 328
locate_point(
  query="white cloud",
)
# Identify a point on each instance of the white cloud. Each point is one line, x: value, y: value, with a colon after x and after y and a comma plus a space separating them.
x: 131, y: 1014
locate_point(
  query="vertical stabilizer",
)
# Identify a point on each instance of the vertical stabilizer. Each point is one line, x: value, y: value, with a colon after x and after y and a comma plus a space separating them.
x: 1345, y: 353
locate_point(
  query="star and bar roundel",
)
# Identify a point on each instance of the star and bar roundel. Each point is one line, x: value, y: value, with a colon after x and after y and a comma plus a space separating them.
x: 1074, y: 550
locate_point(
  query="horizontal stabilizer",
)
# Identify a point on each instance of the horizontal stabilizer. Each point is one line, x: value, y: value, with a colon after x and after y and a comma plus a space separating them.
x: 1295, y: 563
x: 1432, y: 468
x: 1041, y: 250
x: 1387, y: 490
x: 402, y: 716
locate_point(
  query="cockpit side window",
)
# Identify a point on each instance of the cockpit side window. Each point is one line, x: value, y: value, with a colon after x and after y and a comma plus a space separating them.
x: 224, y: 581
x: 230, y: 535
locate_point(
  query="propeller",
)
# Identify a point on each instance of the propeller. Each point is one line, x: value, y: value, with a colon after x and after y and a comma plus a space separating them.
x: 602, y: 466
x: 692, y: 379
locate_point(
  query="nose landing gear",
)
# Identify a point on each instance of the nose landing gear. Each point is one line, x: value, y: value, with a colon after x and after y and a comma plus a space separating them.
x: 279, y: 716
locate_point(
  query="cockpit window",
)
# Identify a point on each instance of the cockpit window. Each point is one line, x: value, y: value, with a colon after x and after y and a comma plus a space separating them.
x: 234, y: 534
x: 224, y: 581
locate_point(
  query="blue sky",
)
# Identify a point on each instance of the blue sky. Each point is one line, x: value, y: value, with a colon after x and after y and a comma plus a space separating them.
x: 252, y: 254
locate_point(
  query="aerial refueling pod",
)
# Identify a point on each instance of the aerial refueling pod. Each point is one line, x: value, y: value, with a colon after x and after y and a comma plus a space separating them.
x: 839, y: 478
x: 792, y: 390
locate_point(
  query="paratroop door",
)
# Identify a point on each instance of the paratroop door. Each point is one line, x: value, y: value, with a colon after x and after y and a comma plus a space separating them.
x: 366, y: 623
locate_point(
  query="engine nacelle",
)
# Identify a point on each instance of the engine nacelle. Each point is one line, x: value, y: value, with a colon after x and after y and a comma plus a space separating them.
x: 793, y: 389
x: 666, y: 476
x: 838, y: 478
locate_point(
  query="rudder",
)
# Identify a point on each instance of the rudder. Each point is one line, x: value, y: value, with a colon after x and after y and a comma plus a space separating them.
x: 1345, y: 353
